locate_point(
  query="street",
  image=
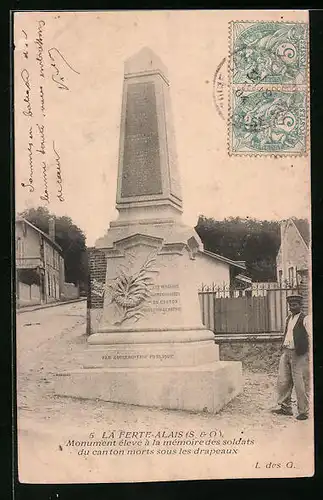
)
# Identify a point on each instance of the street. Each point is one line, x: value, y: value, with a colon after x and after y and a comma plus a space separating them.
x: 44, y: 338
x: 49, y: 341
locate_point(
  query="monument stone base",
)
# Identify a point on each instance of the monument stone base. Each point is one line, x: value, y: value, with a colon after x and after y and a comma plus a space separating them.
x: 148, y: 370
x: 199, y: 388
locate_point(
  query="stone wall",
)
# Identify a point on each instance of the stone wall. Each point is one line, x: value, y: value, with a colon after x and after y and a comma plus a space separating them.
x: 210, y: 271
x: 28, y: 294
x: 70, y: 291
x: 255, y: 355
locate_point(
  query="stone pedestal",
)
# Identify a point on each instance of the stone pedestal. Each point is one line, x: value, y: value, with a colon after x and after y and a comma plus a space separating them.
x: 151, y: 347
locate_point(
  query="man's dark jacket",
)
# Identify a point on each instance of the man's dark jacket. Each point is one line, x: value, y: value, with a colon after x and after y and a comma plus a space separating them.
x: 300, y: 335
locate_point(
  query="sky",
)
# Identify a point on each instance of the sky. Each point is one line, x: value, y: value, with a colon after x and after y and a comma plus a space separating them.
x: 81, y: 122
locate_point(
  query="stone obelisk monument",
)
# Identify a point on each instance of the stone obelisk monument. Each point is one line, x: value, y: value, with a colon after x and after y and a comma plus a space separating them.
x: 149, y: 346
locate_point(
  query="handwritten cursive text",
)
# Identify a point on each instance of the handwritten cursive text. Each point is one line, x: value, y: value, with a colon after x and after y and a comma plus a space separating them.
x: 31, y: 163
x: 57, y: 58
x: 59, y: 179
x: 25, y: 51
x: 45, y: 196
x: 41, y: 130
x: 26, y: 79
x: 40, y: 48
x: 42, y: 100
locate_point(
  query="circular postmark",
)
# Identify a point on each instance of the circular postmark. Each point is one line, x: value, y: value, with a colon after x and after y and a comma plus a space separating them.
x: 219, y: 84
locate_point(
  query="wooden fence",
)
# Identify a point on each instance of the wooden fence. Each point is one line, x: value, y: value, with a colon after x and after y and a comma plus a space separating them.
x: 226, y: 311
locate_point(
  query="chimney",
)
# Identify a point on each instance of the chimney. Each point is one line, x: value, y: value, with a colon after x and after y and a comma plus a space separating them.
x: 282, y: 230
x: 51, y: 228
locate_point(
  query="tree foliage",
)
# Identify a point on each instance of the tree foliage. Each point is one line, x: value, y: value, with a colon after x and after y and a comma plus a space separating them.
x: 254, y: 241
x: 69, y: 237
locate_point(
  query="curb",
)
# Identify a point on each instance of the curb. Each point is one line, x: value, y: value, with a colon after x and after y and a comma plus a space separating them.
x: 45, y: 306
x: 250, y: 337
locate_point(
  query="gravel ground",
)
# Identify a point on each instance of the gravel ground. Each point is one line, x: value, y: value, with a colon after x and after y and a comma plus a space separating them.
x: 49, y: 341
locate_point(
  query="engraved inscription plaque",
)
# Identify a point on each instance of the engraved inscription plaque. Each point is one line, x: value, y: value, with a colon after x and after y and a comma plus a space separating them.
x: 165, y: 298
x: 141, y: 174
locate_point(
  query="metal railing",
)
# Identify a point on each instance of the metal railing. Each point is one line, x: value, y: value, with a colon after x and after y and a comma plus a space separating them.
x: 260, y: 309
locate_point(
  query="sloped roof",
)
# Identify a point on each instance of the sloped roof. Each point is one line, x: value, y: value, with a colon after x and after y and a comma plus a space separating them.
x: 304, y: 229
x: 48, y: 238
x: 236, y: 263
x: 244, y: 278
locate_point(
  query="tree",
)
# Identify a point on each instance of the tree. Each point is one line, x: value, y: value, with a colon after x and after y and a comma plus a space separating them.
x: 69, y: 237
x: 254, y: 241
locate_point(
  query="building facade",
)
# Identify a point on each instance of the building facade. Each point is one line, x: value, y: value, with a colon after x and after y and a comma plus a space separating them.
x: 294, y: 252
x: 40, y: 273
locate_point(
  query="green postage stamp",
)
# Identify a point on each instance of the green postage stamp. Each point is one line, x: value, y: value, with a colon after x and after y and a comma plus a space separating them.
x: 269, y: 101
x: 268, y: 121
x: 269, y: 52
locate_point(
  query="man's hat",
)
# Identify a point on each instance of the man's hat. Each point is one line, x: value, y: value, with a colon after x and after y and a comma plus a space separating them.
x: 295, y: 297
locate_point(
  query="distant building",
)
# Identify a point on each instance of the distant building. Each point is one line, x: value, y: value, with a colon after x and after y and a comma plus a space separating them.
x: 40, y: 271
x: 293, y: 255
x: 219, y: 271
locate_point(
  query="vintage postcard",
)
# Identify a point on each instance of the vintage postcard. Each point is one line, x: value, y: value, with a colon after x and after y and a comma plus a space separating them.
x: 162, y: 245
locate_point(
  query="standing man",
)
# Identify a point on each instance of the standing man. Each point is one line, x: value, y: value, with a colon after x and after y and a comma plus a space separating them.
x: 294, y: 362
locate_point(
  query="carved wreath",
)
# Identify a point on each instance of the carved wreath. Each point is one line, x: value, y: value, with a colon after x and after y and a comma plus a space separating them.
x: 129, y: 292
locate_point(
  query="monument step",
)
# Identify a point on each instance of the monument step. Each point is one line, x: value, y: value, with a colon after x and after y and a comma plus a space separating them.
x: 200, y: 388
x: 153, y: 355
x: 148, y: 336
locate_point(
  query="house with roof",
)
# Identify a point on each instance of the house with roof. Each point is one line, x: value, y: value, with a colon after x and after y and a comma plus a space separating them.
x: 294, y: 253
x: 217, y: 270
x: 40, y: 273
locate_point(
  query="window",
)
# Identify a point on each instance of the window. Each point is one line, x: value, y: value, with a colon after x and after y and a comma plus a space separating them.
x: 20, y: 248
x: 280, y: 276
x: 48, y: 284
x: 42, y: 248
x: 291, y: 275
